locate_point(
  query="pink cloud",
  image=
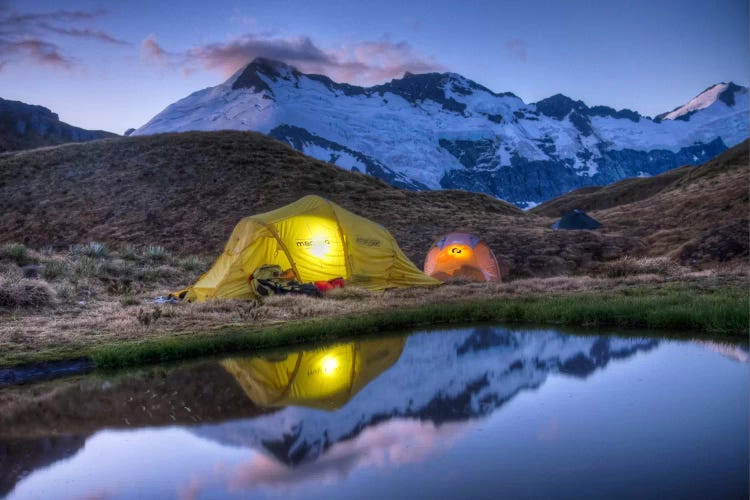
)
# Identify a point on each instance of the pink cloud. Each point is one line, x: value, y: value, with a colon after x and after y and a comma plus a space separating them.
x: 37, y: 51
x: 152, y: 51
x: 363, y: 62
x: 389, y: 444
x: 25, y: 37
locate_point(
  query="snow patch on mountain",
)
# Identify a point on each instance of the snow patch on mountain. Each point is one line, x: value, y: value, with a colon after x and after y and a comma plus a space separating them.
x: 436, y: 131
x: 701, y: 101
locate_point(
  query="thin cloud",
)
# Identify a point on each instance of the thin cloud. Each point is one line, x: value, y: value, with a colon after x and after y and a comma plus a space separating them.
x: 517, y: 48
x: 38, y: 51
x: 27, y: 37
x: 152, y: 51
x: 362, y: 62
x: 231, y: 56
x: 87, y: 33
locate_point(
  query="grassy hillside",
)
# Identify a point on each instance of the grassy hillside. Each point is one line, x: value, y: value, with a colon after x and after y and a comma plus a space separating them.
x: 636, y: 189
x: 701, y: 218
x: 697, y: 215
x: 186, y: 192
x: 602, y: 197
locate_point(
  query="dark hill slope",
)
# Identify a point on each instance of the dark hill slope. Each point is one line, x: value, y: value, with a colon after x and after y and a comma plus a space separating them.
x: 640, y: 188
x: 187, y: 191
x: 700, y: 217
x: 617, y: 193
x: 26, y: 126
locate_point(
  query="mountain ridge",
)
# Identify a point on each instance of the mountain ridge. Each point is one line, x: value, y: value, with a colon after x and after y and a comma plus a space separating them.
x: 444, y: 131
x: 28, y: 126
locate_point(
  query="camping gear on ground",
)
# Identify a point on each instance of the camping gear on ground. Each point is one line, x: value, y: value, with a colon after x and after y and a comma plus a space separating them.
x: 576, y: 219
x: 270, y: 280
x: 318, y: 378
x: 325, y: 286
x: 318, y: 240
x: 461, y: 256
x: 161, y: 299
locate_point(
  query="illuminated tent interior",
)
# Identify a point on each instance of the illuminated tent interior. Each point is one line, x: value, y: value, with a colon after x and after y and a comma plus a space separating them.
x: 461, y: 256
x: 318, y: 240
x: 319, y: 378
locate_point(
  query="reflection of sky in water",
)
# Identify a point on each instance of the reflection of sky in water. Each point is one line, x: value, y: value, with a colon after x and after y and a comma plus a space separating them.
x: 670, y: 421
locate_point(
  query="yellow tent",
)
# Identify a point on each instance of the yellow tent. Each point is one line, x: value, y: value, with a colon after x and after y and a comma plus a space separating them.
x: 318, y: 240
x: 320, y: 378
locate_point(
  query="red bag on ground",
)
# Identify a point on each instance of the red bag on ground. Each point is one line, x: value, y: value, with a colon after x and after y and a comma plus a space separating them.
x: 324, y: 286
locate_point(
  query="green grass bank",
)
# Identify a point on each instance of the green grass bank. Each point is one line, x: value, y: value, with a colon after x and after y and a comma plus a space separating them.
x: 716, y: 313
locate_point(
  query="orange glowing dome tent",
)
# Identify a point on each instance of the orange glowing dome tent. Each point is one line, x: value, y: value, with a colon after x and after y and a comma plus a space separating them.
x: 461, y: 256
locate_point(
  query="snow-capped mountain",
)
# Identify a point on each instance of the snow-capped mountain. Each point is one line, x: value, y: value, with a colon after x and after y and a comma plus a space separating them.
x: 441, y: 130
x: 451, y: 377
x: 720, y: 91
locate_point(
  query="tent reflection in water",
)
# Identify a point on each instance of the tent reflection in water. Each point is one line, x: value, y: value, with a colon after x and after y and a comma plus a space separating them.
x: 318, y: 240
x: 320, y: 378
x: 461, y: 256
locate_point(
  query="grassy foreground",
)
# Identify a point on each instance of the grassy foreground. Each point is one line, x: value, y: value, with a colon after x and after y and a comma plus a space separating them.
x: 724, y: 314
x: 92, y: 301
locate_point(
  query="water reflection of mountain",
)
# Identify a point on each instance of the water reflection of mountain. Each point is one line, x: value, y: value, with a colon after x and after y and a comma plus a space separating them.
x: 439, y: 378
x: 19, y: 457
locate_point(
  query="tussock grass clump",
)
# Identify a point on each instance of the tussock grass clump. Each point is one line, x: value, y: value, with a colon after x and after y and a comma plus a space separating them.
x: 155, y: 253
x: 55, y: 269
x: 92, y: 249
x: 630, y: 266
x: 88, y: 267
x: 18, y: 253
x: 120, y: 268
x: 25, y: 293
x: 66, y: 294
x: 192, y: 264
x: 129, y: 252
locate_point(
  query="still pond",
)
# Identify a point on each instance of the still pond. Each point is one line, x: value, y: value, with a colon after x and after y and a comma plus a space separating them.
x: 484, y: 412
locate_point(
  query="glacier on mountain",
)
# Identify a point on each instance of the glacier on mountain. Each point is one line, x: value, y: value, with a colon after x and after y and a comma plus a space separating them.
x: 441, y: 130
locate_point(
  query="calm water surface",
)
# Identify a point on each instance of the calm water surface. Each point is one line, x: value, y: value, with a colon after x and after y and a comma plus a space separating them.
x: 472, y: 413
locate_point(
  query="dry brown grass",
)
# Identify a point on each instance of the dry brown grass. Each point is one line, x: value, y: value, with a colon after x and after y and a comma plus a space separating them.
x: 633, y: 190
x: 700, y: 219
x: 185, y: 193
x: 24, y: 293
x: 630, y: 266
x: 79, y: 308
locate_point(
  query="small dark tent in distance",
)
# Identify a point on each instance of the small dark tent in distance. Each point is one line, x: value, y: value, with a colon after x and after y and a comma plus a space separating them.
x: 576, y: 219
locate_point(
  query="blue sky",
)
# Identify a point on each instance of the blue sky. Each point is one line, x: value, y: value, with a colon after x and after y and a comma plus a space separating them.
x: 113, y: 65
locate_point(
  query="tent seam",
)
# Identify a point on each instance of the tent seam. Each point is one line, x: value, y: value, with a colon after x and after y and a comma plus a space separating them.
x: 275, y: 234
